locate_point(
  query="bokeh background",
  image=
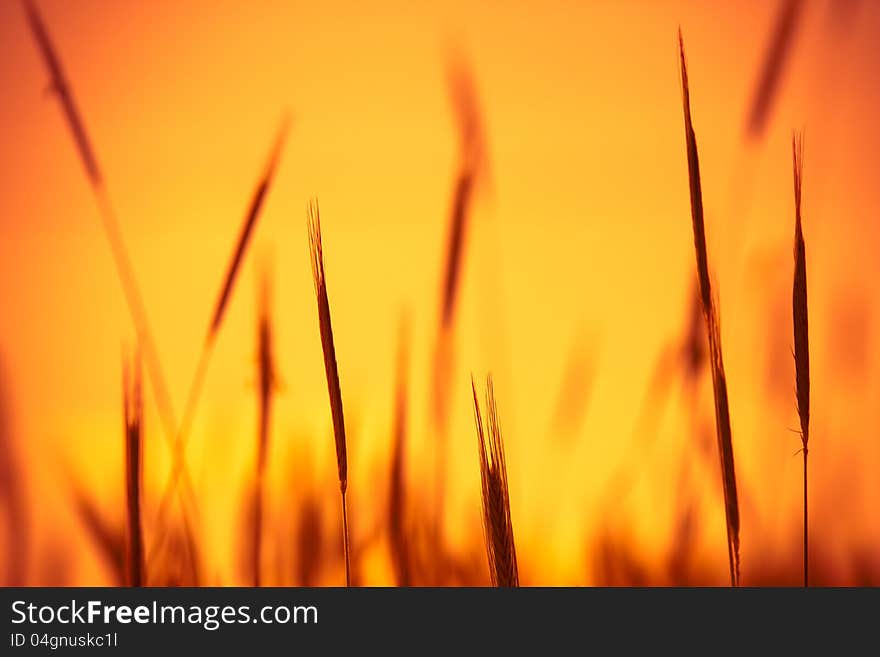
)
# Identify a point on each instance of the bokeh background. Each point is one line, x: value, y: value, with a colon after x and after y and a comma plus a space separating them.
x: 577, y: 278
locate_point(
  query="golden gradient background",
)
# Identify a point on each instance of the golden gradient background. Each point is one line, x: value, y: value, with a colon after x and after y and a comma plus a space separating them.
x: 582, y: 244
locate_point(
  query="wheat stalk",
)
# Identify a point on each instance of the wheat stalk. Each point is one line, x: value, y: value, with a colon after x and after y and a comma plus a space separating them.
x: 309, y: 540
x: 471, y: 162
x: 471, y: 166
x: 719, y: 381
x: 497, y: 526
x: 266, y: 374
x: 800, y: 322
x: 397, y: 494
x: 330, y: 369
x: 134, y: 470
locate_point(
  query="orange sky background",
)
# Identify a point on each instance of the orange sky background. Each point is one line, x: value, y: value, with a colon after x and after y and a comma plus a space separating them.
x: 582, y: 242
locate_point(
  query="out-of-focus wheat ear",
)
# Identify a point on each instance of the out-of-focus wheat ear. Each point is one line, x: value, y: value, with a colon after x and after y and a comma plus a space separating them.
x: 266, y: 375
x: 309, y: 541
x: 693, y: 343
x: 253, y: 213
x: 575, y: 389
x: 247, y: 229
x: 400, y: 554
x: 330, y: 368
x: 443, y: 349
x: 497, y: 525
x: 472, y: 164
x: 472, y: 168
x: 800, y: 322
x: 778, y: 53
x: 713, y: 329
x: 461, y: 197
x: 469, y: 116
x: 134, y: 471
x: 266, y: 368
x: 250, y: 221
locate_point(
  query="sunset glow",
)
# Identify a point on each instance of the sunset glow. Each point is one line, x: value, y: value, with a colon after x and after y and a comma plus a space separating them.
x: 576, y: 289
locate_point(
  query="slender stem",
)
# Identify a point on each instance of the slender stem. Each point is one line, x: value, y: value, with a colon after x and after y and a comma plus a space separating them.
x: 731, y: 560
x: 192, y: 555
x: 806, y: 530
x: 732, y: 557
x: 439, y: 486
x: 258, y: 529
x: 136, y: 307
x: 178, y: 467
x: 345, y: 541
x: 259, y: 499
